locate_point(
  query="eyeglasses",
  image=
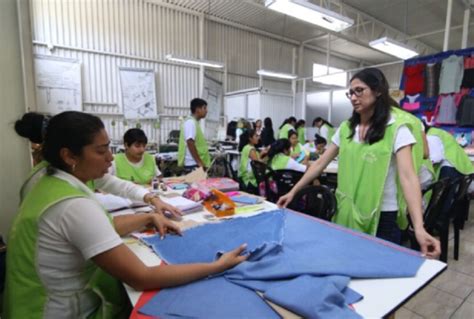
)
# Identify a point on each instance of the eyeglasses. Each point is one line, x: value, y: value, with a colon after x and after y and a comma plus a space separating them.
x: 358, y: 91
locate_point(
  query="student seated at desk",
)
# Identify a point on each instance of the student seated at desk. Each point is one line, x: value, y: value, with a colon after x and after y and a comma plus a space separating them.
x: 279, y: 157
x: 193, y: 151
x: 248, y: 140
x: 374, y: 147
x: 135, y: 165
x: 297, y: 151
x: 317, y: 147
x: 66, y: 258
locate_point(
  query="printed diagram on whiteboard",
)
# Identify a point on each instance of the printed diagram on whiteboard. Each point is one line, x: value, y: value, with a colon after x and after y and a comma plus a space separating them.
x: 213, y: 93
x: 58, y: 84
x: 138, y: 93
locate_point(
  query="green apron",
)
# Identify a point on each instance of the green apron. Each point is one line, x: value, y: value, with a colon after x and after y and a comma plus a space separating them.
x: 200, y: 142
x: 331, y: 132
x: 283, y: 133
x: 279, y: 161
x: 25, y: 294
x: 142, y: 175
x: 301, y: 135
x: 245, y: 175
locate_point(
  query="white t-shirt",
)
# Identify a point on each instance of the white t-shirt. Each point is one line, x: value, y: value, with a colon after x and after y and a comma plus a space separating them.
x: 70, y: 233
x: 138, y: 165
x: 189, y: 134
x: 294, y: 165
x: 324, y: 131
x: 403, y: 138
x: 437, y: 151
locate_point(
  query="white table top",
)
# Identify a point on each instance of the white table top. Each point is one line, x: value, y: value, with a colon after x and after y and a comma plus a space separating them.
x: 381, y: 296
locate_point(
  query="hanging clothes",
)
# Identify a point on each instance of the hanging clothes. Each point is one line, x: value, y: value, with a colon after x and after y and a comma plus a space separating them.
x: 465, y: 113
x: 414, y: 81
x: 446, y: 108
x: 432, y: 74
x: 452, y: 70
x: 411, y: 102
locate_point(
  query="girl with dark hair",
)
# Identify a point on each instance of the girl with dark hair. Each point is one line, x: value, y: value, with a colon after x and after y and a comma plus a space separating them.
x: 326, y: 129
x: 279, y: 157
x: 248, y: 140
x: 268, y: 136
x: 135, y: 165
x: 374, y: 148
x: 301, y: 131
x: 66, y: 258
x: 287, y: 126
x: 297, y: 151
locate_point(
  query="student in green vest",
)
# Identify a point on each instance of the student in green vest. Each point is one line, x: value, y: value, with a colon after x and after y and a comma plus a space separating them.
x: 297, y: 151
x: 326, y: 129
x: 375, y: 164
x: 193, y: 151
x: 279, y: 157
x: 301, y: 131
x: 66, y: 258
x: 135, y: 165
x: 449, y: 160
x: 287, y: 126
x: 248, y: 152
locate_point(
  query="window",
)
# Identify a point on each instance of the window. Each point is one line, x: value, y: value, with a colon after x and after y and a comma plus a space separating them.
x: 320, y: 74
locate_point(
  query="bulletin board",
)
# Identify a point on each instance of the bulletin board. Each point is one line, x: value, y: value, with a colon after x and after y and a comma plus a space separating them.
x: 138, y: 93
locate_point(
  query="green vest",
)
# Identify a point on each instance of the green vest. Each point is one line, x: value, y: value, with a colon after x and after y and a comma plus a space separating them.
x: 245, y: 175
x: 331, y: 132
x: 279, y: 161
x: 25, y: 294
x: 363, y: 170
x: 200, y: 142
x: 416, y: 127
x: 453, y: 152
x: 301, y: 135
x: 283, y: 133
x: 142, y: 175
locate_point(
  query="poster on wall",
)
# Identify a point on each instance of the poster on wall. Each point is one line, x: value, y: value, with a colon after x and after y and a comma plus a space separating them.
x: 213, y: 93
x: 57, y: 84
x: 138, y: 93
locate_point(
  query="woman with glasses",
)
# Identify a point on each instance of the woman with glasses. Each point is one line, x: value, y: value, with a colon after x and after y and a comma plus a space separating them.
x: 376, y: 173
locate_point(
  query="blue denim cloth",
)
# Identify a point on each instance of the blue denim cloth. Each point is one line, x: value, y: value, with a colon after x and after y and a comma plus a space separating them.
x: 312, y: 252
x: 388, y: 228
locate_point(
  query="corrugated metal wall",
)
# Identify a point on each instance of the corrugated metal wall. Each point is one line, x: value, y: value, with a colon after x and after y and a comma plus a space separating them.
x: 107, y: 34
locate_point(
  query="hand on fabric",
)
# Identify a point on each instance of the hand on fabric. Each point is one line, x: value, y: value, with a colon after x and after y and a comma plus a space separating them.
x: 164, y: 225
x: 430, y: 246
x: 231, y: 258
x: 285, y: 200
x: 161, y: 207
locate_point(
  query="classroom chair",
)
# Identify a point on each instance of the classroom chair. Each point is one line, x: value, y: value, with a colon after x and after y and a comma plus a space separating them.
x: 285, y: 179
x: 262, y: 174
x: 316, y: 201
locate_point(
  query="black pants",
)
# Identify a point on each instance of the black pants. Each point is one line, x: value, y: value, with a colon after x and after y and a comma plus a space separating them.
x: 388, y: 228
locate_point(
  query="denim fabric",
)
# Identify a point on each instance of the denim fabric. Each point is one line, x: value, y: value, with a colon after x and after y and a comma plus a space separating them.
x: 388, y: 228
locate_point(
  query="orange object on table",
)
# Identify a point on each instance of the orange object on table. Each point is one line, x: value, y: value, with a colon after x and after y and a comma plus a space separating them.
x: 219, y: 204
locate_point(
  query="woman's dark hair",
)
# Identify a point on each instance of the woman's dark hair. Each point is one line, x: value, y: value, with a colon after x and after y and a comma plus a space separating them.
x: 376, y: 81
x: 72, y: 130
x: 291, y: 133
x: 134, y: 135
x: 318, y: 139
x: 245, y: 138
x: 32, y: 126
x: 267, y: 122
x: 278, y: 147
x: 320, y: 119
x: 291, y: 119
x: 300, y: 123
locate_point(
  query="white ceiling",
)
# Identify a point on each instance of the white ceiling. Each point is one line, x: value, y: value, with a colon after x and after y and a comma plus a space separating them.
x: 419, y: 23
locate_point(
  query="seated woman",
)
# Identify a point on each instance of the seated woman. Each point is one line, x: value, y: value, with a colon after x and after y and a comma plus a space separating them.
x: 297, y: 151
x: 135, y: 164
x: 279, y: 157
x: 65, y: 256
x: 317, y: 147
x: 248, y: 140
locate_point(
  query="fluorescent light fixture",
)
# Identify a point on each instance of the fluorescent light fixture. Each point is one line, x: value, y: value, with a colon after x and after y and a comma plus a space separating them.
x: 311, y: 13
x: 394, y: 48
x: 279, y: 75
x: 211, y: 64
x: 336, y: 77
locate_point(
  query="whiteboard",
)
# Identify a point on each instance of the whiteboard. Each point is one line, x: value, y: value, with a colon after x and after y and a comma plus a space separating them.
x: 213, y: 94
x: 138, y: 93
x: 58, y: 84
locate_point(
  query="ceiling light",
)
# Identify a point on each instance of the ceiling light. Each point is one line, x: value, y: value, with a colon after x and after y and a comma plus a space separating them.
x: 394, y: 48
x: 279, y: 75
x: 311, y: 13
x: 211, y: 64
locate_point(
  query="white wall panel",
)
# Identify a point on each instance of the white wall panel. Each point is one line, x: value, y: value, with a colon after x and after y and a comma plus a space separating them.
x: 277, y: 107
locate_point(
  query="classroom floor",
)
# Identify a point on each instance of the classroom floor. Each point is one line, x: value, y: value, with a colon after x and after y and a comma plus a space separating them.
x: 451, y: 295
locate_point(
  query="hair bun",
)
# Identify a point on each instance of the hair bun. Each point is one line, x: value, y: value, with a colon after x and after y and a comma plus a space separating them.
x: 30, y: 126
